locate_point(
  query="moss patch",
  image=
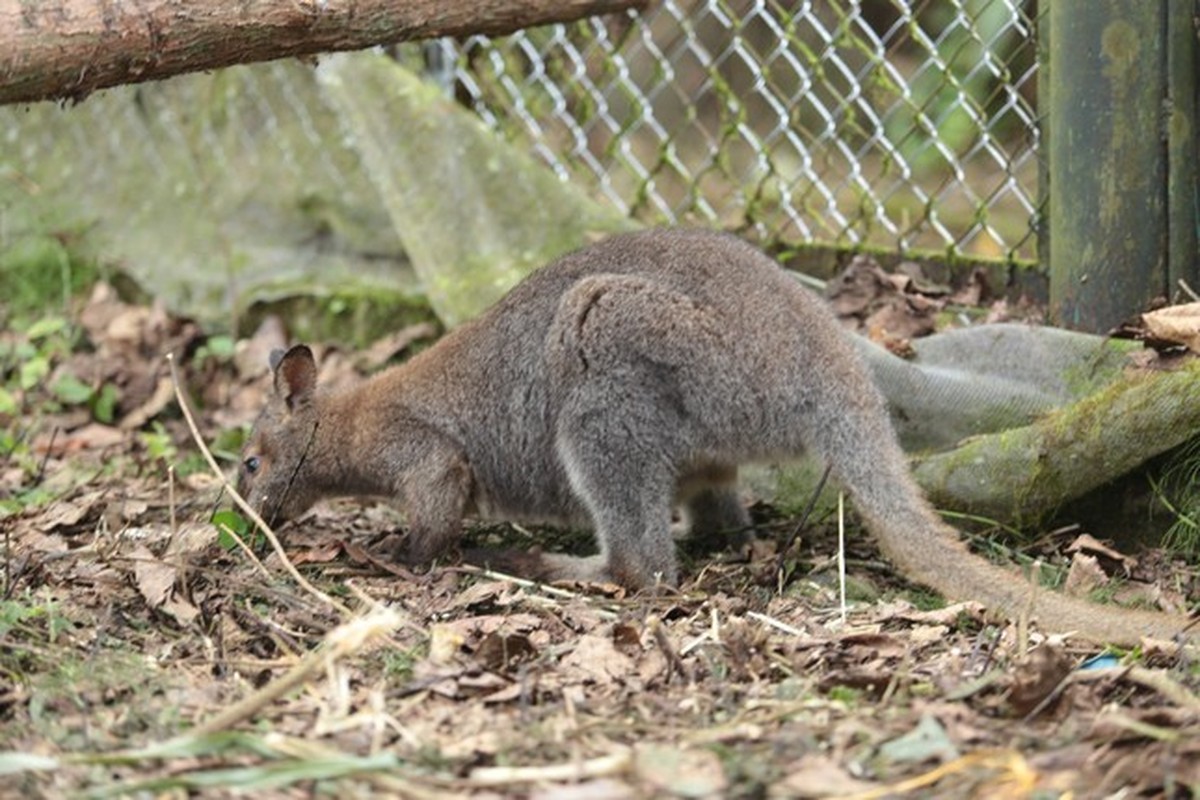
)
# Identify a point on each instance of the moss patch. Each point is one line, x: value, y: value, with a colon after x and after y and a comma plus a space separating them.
x: 38, y: 273
x: 351, y: 317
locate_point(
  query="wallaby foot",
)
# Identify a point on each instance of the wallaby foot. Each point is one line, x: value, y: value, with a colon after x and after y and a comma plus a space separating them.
x: 713, y: 514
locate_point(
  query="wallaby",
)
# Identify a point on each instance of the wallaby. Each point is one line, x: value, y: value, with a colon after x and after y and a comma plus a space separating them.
x: 620, y: 381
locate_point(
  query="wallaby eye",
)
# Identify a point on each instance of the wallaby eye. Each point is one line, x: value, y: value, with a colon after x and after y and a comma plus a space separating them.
x: 252, y: 464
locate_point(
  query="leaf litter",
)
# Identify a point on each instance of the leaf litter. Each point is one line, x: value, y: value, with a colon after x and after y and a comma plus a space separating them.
x: 144, y: 650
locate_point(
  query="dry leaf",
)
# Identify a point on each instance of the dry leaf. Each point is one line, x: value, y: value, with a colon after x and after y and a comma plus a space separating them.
x: 444, y: 644
x: 65, y: 514
x: 679, y: 772
x: 1089, y: 543
x: 388, y: 347
x: 184, y: 612
x: 1085, y: 576
x: 163, y: 395
x: 1179, y: 324
x: 155, y: 579
x: 252, y: 356
x: 502, y: 652
x: 1037, y: 675
x: 948, y: 615
x: 820, y: 776
x: 596, y: 659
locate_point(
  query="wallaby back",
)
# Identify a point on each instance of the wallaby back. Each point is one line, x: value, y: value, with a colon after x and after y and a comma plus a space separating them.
x: 609, y: 386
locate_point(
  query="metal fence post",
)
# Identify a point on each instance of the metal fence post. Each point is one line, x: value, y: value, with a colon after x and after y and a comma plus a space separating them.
x: 1183, y: 144
x: 1119, y: 85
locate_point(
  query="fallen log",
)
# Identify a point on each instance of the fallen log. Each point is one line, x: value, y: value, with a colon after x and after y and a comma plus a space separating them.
x: 67, y: 49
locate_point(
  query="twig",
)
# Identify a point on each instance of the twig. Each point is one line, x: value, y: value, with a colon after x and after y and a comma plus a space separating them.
x: 8, y: 579
x: 245, y: 549
x: 802, y: 524
x: 41, y: 470
x: 347, y: 638
x: 674, y: 660
x: 545, y: 588
x: 240, y: 501
x: 1023, y: 619
x: 777, y: 624
x: 841, y: 554
x: 612, y: 764
x: 1154, y: 679
x: 171, y: 500
x: 713, y: 634
x: 525, y: 583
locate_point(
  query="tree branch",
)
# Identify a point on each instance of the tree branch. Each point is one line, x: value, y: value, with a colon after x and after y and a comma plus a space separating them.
x: 67, y: 49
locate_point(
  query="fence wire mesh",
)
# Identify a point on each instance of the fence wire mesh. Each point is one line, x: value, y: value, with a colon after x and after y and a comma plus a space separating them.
x: 898, y: 123
x: 904, y: 124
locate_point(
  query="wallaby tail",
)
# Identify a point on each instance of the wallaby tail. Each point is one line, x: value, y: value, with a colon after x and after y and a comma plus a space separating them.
x: 858, y: 443
x: 930, y: 552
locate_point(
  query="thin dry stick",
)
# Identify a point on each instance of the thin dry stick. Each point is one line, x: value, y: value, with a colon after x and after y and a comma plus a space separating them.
x: 554, y: 592
x: 674, y: 661
x: 247, y: 706
x: 1026, y: 615
x: 525, y: 583
x: 174, y: 532
x: 612, y: 764
x: 245, y: 548
x: 1153, y: 679
x: 171, y: 499
x: 341, y: 641
x: 842, y: 553
x: 777, y: 624
x: 7, y: 562
x: 300, y: 580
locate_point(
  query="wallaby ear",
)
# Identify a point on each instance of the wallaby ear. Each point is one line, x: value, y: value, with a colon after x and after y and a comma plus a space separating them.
x: 295, y: 375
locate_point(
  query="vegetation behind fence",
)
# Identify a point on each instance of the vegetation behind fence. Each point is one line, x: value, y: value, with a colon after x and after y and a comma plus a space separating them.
x: 901, y: 124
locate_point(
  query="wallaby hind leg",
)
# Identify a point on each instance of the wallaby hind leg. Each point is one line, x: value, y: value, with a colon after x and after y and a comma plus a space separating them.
x: 713, y: 514
x: 624, y: 480
x: 625, y: 348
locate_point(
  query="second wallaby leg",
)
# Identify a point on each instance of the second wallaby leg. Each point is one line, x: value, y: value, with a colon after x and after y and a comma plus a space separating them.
x: 435, y: 494
x: 713, y: 515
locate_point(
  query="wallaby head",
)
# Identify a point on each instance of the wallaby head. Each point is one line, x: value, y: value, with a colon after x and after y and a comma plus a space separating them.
x: 271, y: 477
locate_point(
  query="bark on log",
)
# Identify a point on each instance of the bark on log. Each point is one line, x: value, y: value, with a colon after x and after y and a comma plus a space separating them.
x: 67, y: 49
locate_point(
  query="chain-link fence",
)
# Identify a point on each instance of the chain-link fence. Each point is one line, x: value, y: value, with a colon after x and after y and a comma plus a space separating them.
x: 906, y: 124
x: 900, y: 124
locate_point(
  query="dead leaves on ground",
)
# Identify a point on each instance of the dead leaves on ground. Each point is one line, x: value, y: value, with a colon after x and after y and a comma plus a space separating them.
x: 892, y: 308
x: 710, y: 692
x: 494, y: 686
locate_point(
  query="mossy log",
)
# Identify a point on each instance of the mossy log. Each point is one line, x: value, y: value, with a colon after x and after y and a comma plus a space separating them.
x: 1023, y: 474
